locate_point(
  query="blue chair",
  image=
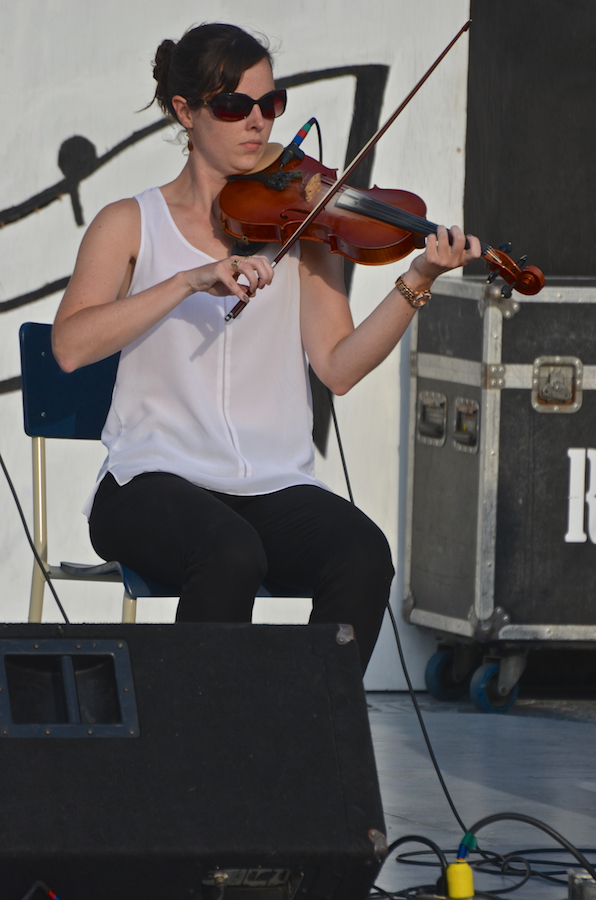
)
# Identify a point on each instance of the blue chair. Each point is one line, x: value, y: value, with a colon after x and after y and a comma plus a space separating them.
x: 69, y: 406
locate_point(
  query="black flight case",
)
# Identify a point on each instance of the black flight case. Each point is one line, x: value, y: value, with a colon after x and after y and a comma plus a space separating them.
x: 501, y: 521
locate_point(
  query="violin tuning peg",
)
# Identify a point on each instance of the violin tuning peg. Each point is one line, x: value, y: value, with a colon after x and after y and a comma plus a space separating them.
x: 521, y: 262
x: 506, y: 292
x: 505, y: 248
x: 491, y: 277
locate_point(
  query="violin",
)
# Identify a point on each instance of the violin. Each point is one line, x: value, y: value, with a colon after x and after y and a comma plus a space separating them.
x: 293, y: 197
x: 373, y: 226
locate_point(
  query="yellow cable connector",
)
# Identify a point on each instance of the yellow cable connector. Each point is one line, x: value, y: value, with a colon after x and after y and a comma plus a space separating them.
x: 460, y: 881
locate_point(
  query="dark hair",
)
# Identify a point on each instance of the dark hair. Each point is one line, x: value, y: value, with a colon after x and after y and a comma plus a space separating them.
x: 206, y: 60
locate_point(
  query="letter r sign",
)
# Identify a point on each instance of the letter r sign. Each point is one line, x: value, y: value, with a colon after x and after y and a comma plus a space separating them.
x: 582, y: 493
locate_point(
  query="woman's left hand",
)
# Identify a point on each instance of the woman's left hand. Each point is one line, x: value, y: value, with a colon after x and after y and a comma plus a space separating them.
x: 441, y: 256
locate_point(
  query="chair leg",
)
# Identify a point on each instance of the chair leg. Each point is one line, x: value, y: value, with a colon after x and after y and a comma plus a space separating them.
x: 129, y: 608
x: 38, y: 584
x: 40, y: 537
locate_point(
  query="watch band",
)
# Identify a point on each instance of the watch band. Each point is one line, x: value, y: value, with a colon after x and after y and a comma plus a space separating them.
x: 416, y: 299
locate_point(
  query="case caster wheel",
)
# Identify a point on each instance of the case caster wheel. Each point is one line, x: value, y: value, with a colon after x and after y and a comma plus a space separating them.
x: 438, y: 676
x: 484, y: 693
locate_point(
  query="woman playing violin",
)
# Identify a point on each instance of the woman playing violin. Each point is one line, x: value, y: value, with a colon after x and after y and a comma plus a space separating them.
x: 209, y: 480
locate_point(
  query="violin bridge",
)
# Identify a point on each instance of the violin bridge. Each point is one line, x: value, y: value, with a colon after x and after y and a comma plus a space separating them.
x: 312, y: 186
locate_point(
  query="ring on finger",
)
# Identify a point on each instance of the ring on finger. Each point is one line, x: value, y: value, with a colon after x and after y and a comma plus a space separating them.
x: 235, y: 263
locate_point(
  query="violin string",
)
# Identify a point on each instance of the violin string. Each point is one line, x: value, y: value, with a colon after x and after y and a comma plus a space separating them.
x: 369, y: 206
x: 358, y: 202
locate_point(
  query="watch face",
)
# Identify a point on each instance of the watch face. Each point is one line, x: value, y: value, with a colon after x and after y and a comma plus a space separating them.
x: 414, y: 298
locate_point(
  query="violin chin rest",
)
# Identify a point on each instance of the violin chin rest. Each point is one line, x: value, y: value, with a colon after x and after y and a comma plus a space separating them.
x: 272, y: 152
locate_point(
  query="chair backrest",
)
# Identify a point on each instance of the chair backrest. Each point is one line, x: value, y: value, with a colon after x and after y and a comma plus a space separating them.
x: 57, y: 404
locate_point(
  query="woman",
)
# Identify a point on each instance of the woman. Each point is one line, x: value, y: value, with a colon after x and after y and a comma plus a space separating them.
x: 209, y: 481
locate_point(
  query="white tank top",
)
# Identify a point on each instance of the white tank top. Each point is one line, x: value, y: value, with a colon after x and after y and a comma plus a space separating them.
x: 226, y: 405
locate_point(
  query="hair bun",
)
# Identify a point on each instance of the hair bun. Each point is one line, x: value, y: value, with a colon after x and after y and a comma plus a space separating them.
x: 161, y: 69
x: 161, y: 63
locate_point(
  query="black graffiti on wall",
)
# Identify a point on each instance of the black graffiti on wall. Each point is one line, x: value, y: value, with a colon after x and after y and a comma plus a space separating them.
x: 78, y: 160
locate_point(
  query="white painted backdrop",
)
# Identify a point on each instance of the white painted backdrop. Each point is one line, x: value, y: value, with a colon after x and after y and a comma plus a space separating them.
x: 80, y: 68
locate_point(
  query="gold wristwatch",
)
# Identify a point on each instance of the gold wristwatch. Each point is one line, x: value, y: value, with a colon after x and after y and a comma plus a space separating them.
x: 414, y: 298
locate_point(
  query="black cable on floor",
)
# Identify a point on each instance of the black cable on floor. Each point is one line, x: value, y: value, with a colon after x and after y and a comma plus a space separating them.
x: 502, y: 867
x: 503, y: 863
x: 500, y: 864
x: 421, y: 721
x: 549, y: 876
x: 536, y: 823
x: 434, y: 848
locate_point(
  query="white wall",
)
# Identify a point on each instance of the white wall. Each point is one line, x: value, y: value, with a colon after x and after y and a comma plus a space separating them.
x: 69, y: 68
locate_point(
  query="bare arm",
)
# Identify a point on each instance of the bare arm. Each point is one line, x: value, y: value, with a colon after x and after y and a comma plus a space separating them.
x: 96, y: 318
x: 342, y: 355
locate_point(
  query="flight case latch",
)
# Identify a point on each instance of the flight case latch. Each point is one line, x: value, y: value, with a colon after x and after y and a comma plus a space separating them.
x: 557, y: 384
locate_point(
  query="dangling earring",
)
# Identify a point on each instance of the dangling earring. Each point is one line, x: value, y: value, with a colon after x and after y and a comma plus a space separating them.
x: 189, y: 145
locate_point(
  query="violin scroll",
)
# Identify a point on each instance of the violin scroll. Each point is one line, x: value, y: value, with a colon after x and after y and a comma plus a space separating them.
x: 526, y: 280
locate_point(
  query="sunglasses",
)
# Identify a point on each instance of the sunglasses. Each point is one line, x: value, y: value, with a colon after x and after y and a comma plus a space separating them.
x: 234, y: 107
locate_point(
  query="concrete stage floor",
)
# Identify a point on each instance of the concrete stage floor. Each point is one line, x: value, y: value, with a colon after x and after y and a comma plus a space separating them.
x: 538, y: 759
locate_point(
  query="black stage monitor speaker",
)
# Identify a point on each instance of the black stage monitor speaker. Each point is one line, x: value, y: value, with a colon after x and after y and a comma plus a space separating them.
x: 178, y: 762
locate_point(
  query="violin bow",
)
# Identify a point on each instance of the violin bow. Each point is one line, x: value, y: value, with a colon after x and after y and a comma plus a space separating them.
x: 337, y: 185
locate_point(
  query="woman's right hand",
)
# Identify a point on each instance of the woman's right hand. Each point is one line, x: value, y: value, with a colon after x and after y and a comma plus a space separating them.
x: 97, y: 317
x: 221, y: 278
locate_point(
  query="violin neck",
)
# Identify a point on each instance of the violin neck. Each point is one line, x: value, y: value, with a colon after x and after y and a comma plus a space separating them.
x: 361, y: 203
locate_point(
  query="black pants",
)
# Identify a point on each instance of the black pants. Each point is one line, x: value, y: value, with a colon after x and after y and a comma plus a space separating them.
x: 219, y: 549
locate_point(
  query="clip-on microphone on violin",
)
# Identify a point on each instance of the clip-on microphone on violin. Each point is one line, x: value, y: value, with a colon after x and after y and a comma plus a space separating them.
x: 293, y: 151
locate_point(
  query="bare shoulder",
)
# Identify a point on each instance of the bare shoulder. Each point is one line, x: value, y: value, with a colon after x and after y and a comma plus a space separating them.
x: 121, y: 219
x: 126, y: 208
x: 113, y: 237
